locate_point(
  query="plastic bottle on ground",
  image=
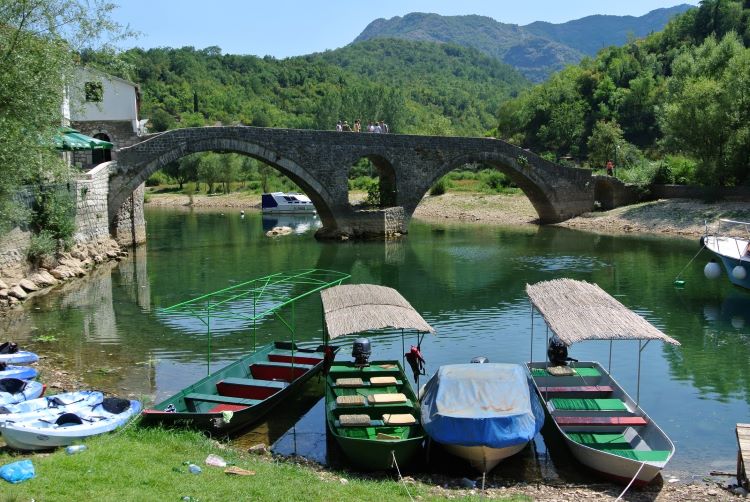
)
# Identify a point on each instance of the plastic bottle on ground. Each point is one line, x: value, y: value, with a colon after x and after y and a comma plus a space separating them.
x: 194, y: 469
x: 75, y: 448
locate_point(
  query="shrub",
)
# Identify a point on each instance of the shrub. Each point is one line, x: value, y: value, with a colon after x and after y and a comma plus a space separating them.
x: 438, y: 188
x: 682, y: 169
x: 160, y: 178
x: 54, y: 212
x: 493, y: 181
x: 42, y: 245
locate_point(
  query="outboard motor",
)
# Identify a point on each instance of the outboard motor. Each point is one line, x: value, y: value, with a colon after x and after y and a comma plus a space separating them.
x: 361, y: 351
x: 557, y: 352
x: 480, y: 360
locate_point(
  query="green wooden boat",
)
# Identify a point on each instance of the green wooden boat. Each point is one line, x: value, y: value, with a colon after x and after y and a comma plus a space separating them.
x: 373, y: 414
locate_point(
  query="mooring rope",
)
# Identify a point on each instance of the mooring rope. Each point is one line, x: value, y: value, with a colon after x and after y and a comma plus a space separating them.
x: 688, y: 263
x: 400, y: 477
x: 631, y: 481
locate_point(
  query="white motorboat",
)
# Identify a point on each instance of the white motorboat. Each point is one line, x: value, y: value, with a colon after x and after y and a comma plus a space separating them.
x: 731, y: 244
x: 281, y: 202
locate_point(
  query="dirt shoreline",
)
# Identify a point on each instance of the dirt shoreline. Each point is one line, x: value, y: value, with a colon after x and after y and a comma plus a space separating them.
x: 674, y: 217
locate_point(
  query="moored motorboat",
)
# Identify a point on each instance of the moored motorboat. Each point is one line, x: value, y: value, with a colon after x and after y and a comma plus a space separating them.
x: 50, y: 406
x: 371, y: 410
x: 483, y: 413
x: 604, y: 428
x: 282, y: 202
x: 238, y: 395
x: 731, y: 245
x: 14, y: 390
x: 37, y: 433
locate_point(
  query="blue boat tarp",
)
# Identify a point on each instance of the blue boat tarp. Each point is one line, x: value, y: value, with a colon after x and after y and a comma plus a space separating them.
x: 491, y: 404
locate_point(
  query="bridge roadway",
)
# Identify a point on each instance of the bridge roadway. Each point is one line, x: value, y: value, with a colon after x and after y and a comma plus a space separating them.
x: 319, y: 163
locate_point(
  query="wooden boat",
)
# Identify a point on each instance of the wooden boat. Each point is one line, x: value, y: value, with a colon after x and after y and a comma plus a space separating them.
x: 40, y: 433
x: 234, y: 397
x: 604, y: 428
x: 373, y: 414
x: 732, y: 249
x: 482, y: 413
x: 371, y: 410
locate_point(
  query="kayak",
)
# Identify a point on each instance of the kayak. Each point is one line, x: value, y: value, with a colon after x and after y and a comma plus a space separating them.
x: 20, y: 372
x: 40, y: 434
x: 50, y: 406
x: 20, y: 357
x: 14, y: 390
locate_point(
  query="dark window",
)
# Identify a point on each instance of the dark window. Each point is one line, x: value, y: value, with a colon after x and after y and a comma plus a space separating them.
x: 94, y: 92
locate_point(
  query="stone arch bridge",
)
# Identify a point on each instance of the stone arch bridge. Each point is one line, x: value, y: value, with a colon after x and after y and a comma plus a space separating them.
x: 319, y: 163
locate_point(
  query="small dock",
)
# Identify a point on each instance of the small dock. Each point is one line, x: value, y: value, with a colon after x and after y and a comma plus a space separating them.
x: 743, y: 454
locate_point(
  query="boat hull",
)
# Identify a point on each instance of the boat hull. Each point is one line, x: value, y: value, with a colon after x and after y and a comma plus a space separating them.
x: 374, y: 447
x: 20, y: 357
x: 731, y: 252
x: 483, y: 458
x: 237, y: 396
x: 635, y: 447
x: 20, y: 372
x: 35, y: 435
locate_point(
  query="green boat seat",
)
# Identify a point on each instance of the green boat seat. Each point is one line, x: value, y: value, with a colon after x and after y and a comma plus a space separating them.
x: 600, y: 440
x: 640, y: 455
x: 213, y: 398
x: 588, y: 404
x: 387, y: 398
x: 256, y: 382
x: 350, y: 401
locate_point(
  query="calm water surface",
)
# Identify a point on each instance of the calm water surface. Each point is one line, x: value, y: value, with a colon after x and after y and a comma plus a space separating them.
x: 467, y: 281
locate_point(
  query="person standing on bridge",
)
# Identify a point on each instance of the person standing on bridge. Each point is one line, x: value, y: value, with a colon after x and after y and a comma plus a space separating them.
x: 610, y: 168
x: 357, y: 126
x: 338, y: 126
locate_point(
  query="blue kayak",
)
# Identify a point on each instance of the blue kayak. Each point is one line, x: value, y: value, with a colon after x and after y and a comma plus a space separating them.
x: 51, y: 406
x: 14, y: 390
x: 20, y: 357
x: 20, y: 372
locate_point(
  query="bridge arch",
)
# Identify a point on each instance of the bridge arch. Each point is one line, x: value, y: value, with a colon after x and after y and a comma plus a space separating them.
x: 519, y: 172
x: 387, y: 185
x: 288, y: 167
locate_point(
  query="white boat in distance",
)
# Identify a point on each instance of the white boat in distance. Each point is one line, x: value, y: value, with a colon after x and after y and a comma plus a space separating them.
x: 281, y: 202
x: 731, y: 244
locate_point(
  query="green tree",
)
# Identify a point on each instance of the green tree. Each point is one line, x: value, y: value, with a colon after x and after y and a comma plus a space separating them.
x: 603, y: 144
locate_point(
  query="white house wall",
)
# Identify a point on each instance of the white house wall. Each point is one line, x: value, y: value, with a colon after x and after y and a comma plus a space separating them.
x: 118, y: 100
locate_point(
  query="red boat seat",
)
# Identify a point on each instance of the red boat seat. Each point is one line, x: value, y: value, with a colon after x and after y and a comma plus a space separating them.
x: 603, y: 421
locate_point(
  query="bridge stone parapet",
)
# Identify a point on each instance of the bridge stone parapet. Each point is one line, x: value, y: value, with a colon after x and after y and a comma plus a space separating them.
x: 319, y: 163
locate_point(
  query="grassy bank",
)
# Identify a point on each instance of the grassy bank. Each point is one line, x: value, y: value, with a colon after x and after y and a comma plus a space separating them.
x: 148, y: 464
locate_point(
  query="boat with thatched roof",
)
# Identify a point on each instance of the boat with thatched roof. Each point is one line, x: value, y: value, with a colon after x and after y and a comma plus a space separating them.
x: 371, y: 409
x: 603, y: 426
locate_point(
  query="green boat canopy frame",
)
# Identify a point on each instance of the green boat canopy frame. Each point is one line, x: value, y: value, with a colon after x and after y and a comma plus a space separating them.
x: 269, y: 295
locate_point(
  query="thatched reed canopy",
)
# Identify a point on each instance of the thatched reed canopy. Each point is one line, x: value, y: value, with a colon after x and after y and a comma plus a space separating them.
x: 579, y: 310
x: 354, y: 308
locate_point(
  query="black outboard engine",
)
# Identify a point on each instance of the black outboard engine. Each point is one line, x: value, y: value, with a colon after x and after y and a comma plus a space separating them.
x: 480, y: 360
x: 361, y: 351
x: 557, y: 353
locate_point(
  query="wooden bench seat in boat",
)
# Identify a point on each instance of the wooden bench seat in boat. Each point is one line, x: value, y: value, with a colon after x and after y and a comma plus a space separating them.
x: 256, y: 382
x: 384, y: 381
x: 355, y: 400
x: 601, y: 421
x: 603, y: 440
x: 358, y: 420
x: 287, y: 356
x: 581, y: 372
x: 272, y: 370
x: 213, y: 398
x: 584, y: 389
x: 399, y: 419
x: 387, y: 398
x: 577, y: 404
x: 639, y: 455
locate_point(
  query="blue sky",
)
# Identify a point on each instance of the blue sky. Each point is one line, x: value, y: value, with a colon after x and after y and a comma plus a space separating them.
x: 284, y: 28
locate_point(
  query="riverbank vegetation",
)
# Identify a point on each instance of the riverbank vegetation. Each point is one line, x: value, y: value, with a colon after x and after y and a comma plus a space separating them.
x: 677, y: 97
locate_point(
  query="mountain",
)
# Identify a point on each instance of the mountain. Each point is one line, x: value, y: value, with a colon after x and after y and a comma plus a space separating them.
x: 537, y: 49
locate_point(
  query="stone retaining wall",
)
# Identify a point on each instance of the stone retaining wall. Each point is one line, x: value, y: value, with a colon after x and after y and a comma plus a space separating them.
x: 91, y: 204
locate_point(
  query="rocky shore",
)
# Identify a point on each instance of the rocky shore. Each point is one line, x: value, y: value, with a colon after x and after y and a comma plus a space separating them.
x: 21, y: 282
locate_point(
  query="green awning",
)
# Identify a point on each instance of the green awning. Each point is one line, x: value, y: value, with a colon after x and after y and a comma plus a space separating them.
x: 70, y: 139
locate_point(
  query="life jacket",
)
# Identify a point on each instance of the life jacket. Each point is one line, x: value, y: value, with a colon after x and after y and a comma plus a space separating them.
x: 416, y: 361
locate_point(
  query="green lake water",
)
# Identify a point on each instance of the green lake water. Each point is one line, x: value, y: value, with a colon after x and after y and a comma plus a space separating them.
x: 466, y: 280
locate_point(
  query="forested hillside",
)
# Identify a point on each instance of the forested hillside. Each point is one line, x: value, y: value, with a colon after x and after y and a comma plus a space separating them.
x: 416, y: 87
x: 536, y: 50
x: 681, y: 94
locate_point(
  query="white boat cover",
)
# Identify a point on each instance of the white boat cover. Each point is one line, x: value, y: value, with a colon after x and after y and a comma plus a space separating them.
x: 489, y: 404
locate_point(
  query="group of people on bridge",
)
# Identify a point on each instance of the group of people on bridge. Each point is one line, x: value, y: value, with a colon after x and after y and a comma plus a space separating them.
x: 375, y: 127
